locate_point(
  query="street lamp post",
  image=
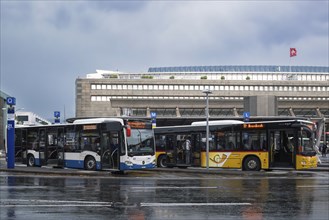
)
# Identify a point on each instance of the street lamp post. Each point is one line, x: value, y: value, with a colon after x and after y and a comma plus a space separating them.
x: 207, y: 92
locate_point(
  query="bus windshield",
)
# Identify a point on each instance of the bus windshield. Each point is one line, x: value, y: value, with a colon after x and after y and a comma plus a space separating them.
x: 306, y: 142
x: 140, y: 142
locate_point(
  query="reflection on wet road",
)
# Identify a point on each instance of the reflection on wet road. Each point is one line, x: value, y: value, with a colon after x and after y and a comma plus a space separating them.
x: 166, y: 196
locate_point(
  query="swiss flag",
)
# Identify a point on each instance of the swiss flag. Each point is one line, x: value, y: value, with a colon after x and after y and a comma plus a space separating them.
x: 293, y: 52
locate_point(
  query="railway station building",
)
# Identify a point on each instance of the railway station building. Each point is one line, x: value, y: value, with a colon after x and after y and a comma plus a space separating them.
x: 178, y: 92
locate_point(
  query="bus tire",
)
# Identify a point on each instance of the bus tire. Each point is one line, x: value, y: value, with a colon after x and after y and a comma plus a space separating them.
x: 30, y: 160
x: 162, y: 161
x: 90, y: 163
x: 251, y: 163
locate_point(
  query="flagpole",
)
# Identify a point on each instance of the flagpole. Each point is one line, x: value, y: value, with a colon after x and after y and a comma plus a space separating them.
x: 290, y: 65
x: 293, y: 53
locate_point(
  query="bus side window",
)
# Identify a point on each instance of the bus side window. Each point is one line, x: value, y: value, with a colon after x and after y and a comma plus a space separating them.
x: 264, y: 145
x: 160, y: 142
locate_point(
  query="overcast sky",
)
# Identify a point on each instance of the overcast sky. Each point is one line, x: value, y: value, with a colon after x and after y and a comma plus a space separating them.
x: 46, y: 45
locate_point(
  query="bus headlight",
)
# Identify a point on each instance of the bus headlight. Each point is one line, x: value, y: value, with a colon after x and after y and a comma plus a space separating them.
x: 128, y: 163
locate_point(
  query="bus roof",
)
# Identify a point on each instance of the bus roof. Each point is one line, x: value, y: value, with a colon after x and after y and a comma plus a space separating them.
x: 98, y: 120
x: 237, y: 122
x: 76, y: 122
x: 221, y: 122
x: 201, y: 125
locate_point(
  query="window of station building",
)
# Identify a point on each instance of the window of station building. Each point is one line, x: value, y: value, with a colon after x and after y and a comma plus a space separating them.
x: 119, y: 87
x: 171, y: 87
x: 93, y: 86
x: 165, y: 87
x: 140, y: 87
x: 135, y: 87
x: 181, y: 87
x: 103, y: 86
x: 98, y: 86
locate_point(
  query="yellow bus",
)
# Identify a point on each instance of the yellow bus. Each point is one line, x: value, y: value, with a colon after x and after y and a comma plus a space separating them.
x: 250, y: 146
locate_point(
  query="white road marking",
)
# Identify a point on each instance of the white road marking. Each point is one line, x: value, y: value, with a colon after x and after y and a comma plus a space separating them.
x: 193, y: 204
x: 7, y: 203
x: 313, y: 186
x: 55, y: 205
x: 23, y: 187
x: 173, y: 187
x: 67, y: 203
x: 51, y: 201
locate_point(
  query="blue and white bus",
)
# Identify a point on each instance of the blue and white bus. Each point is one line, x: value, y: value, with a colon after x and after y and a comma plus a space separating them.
x: 115, y: 144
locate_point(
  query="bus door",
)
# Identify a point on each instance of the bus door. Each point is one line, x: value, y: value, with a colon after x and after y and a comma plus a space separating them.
x: 43, y: 149
x: 171, y: 150
x: 60, y: 148
x: 282, y: 151
x: 52, y: 145
x: 20, y: 145
x: 110, y: 150
x: 196, y: 150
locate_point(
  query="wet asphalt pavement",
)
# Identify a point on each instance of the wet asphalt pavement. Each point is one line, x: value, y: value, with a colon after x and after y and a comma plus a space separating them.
x: 164, y: 194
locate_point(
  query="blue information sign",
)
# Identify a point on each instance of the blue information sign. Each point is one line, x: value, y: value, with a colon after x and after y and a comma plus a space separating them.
x: 153, y: 114
x: 11, y: 101
x: 246, y: 114
x: 10, y: 144
x: 57, y: 114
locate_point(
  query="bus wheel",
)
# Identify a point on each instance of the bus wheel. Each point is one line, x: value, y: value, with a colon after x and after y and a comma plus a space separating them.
x: 90, y: 163
x: 162, y: 161
x: 251, y: 163
x: 30, y: 160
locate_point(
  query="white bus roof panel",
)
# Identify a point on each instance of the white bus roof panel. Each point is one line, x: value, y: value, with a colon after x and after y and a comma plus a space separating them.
x: 98, y: 120
x: 221, y: 122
